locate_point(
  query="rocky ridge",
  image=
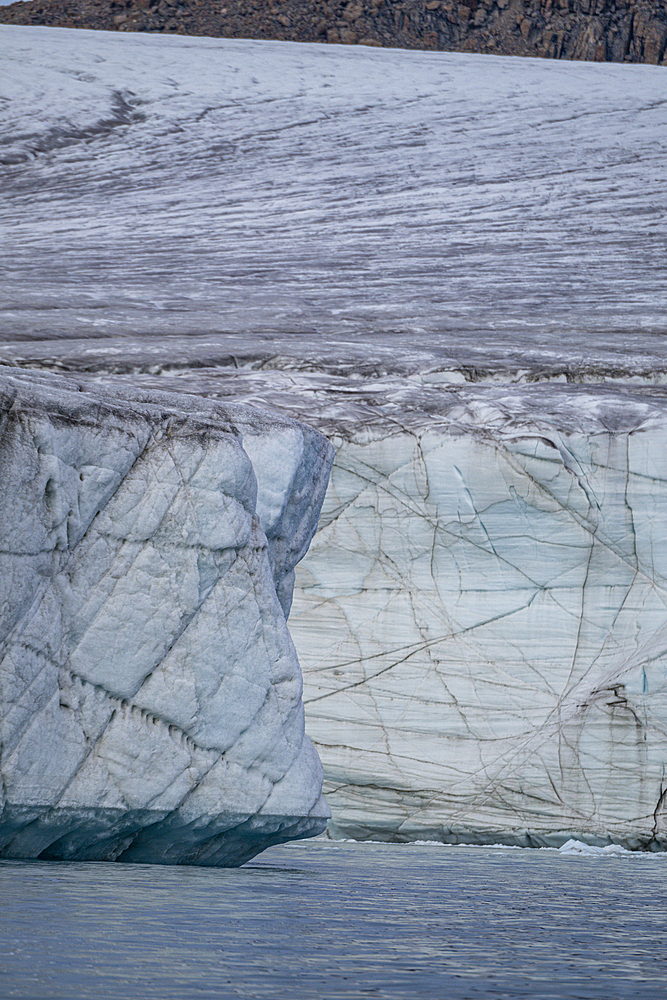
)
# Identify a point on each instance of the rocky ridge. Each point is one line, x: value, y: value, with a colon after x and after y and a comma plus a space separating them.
x: 596, y: 30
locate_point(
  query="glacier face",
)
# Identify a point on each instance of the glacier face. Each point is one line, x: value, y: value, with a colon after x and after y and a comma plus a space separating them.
x: 453, y: 267
x: 481, y: 625
x: 150, y: 692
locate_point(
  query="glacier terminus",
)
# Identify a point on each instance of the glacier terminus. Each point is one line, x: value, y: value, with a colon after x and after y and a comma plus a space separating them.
x: 451, y: 267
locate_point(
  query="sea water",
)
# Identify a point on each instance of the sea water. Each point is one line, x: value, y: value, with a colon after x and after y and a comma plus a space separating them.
x: 320, y: 919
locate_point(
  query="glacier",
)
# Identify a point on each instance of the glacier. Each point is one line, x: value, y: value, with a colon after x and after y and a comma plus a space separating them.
x: 488, y: 590
x: 149, y: 689
x: 452, y: 266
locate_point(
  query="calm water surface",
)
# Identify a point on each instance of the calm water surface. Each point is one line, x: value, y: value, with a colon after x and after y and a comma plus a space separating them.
x: 336, y: 920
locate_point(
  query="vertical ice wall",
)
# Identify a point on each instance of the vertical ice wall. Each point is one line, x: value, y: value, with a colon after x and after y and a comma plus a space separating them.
x: 150, y: 694
x: 482, y: 624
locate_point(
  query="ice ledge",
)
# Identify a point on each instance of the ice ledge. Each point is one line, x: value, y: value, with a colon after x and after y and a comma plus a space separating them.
x: 150, y: 694
x: 147, y: 836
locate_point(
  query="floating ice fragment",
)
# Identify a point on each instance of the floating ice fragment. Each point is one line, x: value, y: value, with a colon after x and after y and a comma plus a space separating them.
x: 578, y: 847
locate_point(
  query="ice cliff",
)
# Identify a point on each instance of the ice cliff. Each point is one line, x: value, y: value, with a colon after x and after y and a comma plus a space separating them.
x: 482, y: 622
x: 452, y: 266
x: 150, y: 693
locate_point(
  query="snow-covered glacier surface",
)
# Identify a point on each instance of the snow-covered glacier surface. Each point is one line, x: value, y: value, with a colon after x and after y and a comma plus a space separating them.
x: 453, y: 266
x: 150, y: 694
x: 192, y: 199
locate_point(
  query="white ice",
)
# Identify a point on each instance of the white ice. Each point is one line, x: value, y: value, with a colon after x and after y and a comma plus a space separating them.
x: 453, y: 265
x: 150, y: 695
x: 591, y: 850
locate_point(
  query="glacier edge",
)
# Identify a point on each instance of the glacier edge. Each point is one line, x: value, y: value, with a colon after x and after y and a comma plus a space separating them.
x: 150, y: 691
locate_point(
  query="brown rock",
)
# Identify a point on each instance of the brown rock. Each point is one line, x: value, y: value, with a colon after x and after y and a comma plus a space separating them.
x: 622, y: 30
x: 353, y: 12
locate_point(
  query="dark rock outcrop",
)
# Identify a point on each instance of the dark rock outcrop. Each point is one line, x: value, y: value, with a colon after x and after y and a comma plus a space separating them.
x: 596, y: 30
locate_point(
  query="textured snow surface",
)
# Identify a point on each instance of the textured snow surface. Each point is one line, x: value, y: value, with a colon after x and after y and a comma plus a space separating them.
x: 453, y: 266
x: 149, y: 689
x: 381, y: 208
